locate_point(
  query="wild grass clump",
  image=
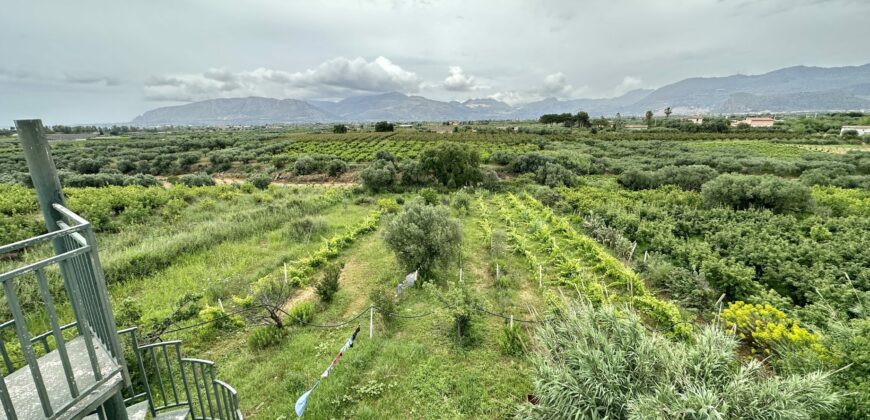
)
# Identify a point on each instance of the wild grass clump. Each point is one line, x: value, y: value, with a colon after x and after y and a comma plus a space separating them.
x: 302, y: 312
x: 603, y: 363
x: 513, y: 339
x: 266, y: 336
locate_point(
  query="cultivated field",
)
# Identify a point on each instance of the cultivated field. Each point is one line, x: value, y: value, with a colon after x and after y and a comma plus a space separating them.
x: 661, y: 269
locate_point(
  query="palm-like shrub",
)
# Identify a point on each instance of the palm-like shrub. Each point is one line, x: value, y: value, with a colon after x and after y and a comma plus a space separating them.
x: 603, y: 363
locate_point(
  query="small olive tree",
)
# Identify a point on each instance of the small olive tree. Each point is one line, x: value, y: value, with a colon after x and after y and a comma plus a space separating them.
x: 423, y: 235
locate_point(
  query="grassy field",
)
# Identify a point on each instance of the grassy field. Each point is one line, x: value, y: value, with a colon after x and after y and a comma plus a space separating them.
x: 667, y: 228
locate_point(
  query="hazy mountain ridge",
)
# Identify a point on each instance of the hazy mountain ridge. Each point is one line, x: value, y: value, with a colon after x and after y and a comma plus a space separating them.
x: 791, y: 89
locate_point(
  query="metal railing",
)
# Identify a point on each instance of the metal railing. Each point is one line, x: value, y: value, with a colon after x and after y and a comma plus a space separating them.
x: 76, y: 257
x: 169, y: 381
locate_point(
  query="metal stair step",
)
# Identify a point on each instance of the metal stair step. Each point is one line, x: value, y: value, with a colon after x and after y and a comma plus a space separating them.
x: 180, y: 414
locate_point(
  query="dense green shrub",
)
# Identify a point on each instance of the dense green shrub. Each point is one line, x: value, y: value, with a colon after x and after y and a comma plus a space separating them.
x: 260, y: 180
x: 200, y: 179
x: 452, y: 165
x: 691, y: 177
x: 328, y: 284
x: 306, y: 165
x: 555, y: 175
x: 336, y: 167
x: 379, y: 175
x: 422, y: 235
x: 766, y: 191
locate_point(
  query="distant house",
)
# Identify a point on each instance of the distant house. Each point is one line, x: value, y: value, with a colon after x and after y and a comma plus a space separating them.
x: 754, y: 122
x: 860, y: 129
x: 636, y: 127
x: 697, y: 119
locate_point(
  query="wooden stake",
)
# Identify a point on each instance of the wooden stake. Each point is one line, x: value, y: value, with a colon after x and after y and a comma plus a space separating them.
x: 371, y: 319
x: 540, y: 276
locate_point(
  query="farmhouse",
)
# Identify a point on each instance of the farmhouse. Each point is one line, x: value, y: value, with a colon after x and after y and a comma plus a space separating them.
x: 755, y: 122
x: 860, y: 129
x: 697, y: 119
x: 636, y: 127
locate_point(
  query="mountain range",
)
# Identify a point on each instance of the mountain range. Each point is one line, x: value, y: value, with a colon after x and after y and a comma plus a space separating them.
x: 792, y: 89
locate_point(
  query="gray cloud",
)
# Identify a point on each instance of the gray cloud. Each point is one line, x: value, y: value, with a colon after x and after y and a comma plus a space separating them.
x: 164, y: 50
x: 334, y: 77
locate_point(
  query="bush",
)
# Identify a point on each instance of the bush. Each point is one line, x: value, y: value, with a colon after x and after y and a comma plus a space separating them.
x: 266, y: 336
x: 429, y: 195
x: 385, y: 303
x: 388, y: 205
x: 200, y: 179
x: 462, y: 303
x: 88, y: 166
x: 690, y: 177
x: 765, y: 191
x: 452, y: 165
x: 260, y: 180
x: 339, y: 129
x: 555, y: 175
x: 513, y: 340
x: 422, y: 236
x: 603, y: 363
x: 462, y: 201
x: 328, y: 285
x: 302, y: 312
x: 384, y: 155
x: 501, y: 157
x: 307, y: 227
x: 306, y: 165
x: 767, y: 329
x: 336, y: 167
x: 379, y: 175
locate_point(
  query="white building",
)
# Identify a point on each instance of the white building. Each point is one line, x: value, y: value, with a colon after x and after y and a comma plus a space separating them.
x: 860, y: 129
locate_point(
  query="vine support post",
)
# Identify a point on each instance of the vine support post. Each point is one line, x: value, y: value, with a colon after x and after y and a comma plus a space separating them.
x: 540, y: 276
x: 371, y: 319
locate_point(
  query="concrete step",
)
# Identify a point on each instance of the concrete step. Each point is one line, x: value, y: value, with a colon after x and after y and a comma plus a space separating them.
x: 179, y: 414
x: 138, y: 411
x: 25, y: 399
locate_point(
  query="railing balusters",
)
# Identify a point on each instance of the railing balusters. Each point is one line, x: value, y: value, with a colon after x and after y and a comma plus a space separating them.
x: 58, y: 334
x: 6, y: 360
x: 8, y: 408
x: 159, y: 376
x: 205, y: 384
x: 26, y: 347
x: 184, y: 379
x: 171, y: 376
x: 83, y: 326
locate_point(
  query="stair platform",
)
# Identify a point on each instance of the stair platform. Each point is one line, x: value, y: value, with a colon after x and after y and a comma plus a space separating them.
x: 22, y: 390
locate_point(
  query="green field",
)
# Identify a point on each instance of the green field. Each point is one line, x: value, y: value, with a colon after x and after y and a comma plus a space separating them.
x: 681, y: 238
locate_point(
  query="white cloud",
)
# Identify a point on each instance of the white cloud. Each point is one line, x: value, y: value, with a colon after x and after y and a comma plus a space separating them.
x: 513, y: 97
x: 336, y: 77
x: 628, y: 84
x: 458, y: 81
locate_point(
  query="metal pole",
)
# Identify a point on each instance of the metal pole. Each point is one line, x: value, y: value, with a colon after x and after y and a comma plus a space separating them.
x: 43, y: 173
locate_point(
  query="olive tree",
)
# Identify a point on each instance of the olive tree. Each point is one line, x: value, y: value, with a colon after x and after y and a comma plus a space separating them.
x: 423, y: 236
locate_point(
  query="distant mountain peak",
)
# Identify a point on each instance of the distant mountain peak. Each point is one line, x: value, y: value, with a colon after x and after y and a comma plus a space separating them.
x: 790, y: 89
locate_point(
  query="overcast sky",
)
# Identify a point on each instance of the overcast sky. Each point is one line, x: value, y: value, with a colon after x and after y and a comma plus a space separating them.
x: 103, y: 61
